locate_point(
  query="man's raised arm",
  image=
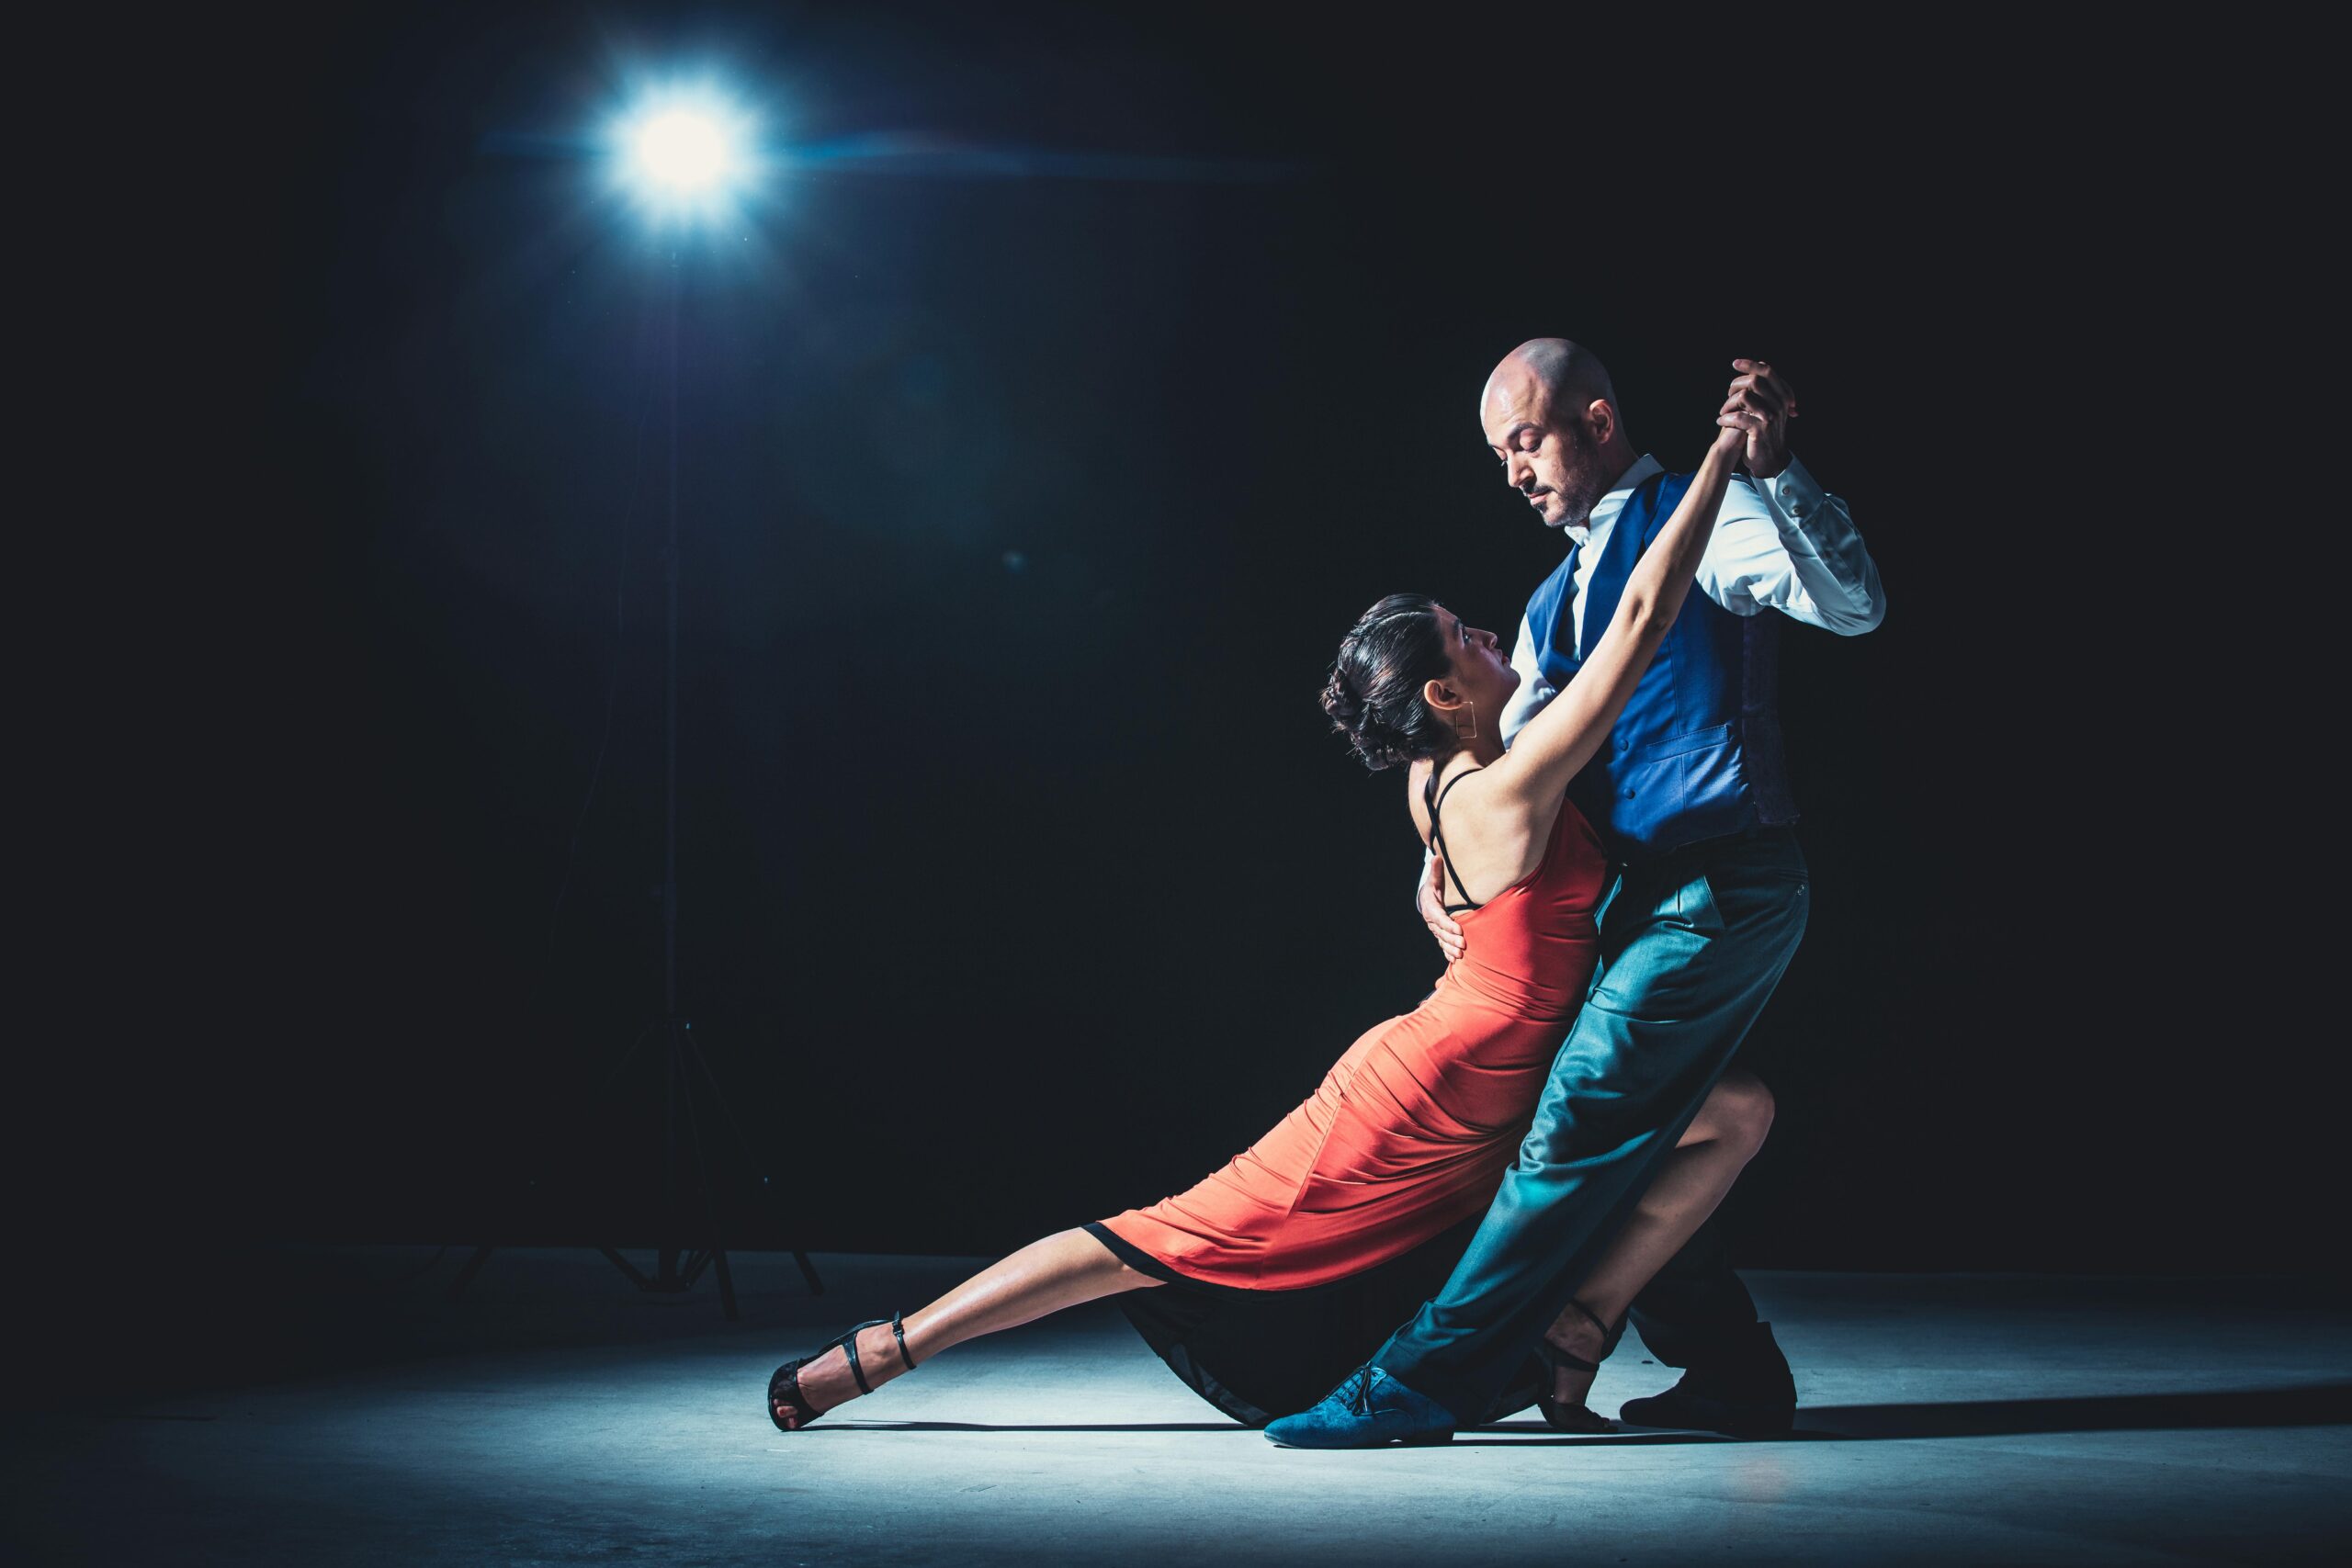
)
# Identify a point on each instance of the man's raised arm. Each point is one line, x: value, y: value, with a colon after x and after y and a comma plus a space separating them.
x: 1784, y: 543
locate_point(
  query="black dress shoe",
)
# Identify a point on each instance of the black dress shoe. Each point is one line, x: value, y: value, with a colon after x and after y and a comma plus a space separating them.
x: 1754, y: 1397
x: 1699, y: 1401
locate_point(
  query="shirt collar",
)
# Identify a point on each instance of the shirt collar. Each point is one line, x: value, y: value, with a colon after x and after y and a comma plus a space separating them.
x: 1605, y: 510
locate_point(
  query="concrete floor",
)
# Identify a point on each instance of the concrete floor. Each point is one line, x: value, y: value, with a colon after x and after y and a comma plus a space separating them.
x: 558, y: 1417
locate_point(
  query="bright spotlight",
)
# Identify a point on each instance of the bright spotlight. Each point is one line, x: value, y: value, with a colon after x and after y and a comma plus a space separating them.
x: 684, y: 155
x: 680, y: 150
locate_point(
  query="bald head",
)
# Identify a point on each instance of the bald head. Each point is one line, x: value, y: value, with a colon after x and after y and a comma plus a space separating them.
x: 1550, y: 414
x: 1570, y: 375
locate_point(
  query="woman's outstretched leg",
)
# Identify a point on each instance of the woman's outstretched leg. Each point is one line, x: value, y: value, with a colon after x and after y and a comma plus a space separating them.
x: 1691, y: 1181
x: 1062, y: 1270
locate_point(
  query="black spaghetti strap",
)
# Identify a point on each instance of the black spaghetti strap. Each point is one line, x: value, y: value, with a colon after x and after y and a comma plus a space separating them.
x: 1434, y: 798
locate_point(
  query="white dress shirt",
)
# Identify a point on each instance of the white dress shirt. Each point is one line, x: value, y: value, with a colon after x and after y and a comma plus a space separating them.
x: 1779, y: 543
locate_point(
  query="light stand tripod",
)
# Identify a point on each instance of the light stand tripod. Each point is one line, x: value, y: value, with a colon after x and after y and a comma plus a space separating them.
x: 677, y: 1267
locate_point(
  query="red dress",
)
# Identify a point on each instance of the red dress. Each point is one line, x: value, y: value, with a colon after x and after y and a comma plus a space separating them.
x: 1410, y: 1131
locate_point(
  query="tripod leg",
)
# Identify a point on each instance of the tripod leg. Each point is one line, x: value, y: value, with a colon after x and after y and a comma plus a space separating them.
x: 726, y: 1284
x: 465, y: 1275
x: 481, y: 1254
x: 666, y: 1273
x: 626, y: 1055
x: 626, y: 1266
x: 808, y: 1270
x: 717, y: 1252
x: 743, y: 1144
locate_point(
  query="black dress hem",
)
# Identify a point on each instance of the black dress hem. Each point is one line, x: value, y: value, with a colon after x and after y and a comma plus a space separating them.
x: 1257, y: 1354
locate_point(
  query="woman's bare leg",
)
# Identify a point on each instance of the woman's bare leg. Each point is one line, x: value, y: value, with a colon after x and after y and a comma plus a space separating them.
x: 1062, y: 1270
x: 1691, y: 1181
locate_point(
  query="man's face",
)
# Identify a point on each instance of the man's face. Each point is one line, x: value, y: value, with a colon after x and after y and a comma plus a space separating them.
x: 1547, y: 454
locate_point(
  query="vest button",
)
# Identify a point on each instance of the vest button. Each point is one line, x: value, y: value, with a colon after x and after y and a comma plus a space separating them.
x: 1629, y: 794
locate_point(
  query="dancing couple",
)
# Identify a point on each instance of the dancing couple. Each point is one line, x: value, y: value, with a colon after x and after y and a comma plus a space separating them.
x: 1531, y: 1158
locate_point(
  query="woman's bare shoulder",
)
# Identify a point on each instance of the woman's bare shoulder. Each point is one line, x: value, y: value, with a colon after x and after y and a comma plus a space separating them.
x: 1496, y: 798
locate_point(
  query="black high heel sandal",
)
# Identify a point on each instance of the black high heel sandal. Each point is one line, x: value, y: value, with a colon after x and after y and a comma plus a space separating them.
x: 1579, y: 1420
x: 783, y: 1383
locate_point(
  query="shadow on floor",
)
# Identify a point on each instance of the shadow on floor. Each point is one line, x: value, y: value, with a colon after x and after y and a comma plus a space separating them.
x: 2318, y: 1405
x: 1042, y: 1426
x: 2313, y: 1405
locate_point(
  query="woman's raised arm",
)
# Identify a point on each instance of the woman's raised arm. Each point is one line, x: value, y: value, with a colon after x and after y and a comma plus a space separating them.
x: 1563, y: 738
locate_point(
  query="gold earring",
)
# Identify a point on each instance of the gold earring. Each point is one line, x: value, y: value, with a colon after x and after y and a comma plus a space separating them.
x: 1470, y: 733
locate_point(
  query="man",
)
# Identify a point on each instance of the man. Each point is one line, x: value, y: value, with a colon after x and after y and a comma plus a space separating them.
x: 1691, y: 795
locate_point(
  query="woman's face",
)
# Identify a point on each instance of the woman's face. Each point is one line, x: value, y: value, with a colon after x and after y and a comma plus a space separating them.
x: 1479, y: 671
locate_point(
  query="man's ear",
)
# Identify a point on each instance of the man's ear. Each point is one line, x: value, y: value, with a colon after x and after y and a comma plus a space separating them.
x: 1601, y: 421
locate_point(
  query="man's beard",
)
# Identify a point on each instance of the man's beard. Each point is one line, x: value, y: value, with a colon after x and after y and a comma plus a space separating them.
x: 1585, y: 493
x: 1580, y: 504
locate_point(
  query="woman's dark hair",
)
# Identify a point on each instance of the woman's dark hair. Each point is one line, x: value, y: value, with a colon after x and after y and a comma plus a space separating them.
x: 1374, y: 693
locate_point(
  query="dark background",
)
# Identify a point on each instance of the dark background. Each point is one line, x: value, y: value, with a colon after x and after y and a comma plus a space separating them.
x: 1025, y: 500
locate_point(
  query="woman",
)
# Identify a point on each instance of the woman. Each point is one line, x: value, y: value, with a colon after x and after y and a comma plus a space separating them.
x: 1264, y: 1284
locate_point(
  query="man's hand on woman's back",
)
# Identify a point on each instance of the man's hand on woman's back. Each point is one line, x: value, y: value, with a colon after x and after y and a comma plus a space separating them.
x: 1433, y: 915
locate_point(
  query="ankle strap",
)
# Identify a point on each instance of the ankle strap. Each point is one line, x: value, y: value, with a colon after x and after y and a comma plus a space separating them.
x: 849, y: 1343
x: 1552, y: 1356
x: 1608, y: 1337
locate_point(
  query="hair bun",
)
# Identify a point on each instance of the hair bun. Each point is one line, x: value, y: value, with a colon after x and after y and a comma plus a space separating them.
x: 1341, y: 701
x: 1356, y: 719
x: 1373, y: 695
x: 1377, y: 741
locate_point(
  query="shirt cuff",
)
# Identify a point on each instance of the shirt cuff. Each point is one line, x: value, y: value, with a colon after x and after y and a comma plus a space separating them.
x: 1795, y: 493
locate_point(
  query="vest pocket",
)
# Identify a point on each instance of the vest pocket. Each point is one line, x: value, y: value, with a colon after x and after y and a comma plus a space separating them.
x: 1659, y: 774
x: 1679, y: 790
x: 1676, y: 745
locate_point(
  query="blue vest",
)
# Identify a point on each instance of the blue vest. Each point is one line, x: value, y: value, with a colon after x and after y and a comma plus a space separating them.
x: 1697, y: 752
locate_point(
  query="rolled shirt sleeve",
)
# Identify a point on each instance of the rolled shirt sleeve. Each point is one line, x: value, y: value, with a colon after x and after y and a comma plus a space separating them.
x: 1786, y: 544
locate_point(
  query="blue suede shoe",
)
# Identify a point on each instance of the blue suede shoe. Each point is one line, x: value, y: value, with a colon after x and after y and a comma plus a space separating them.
x: 1368, y: 1411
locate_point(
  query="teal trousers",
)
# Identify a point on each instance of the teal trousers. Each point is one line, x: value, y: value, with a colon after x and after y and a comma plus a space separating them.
x: 1691, y: 945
